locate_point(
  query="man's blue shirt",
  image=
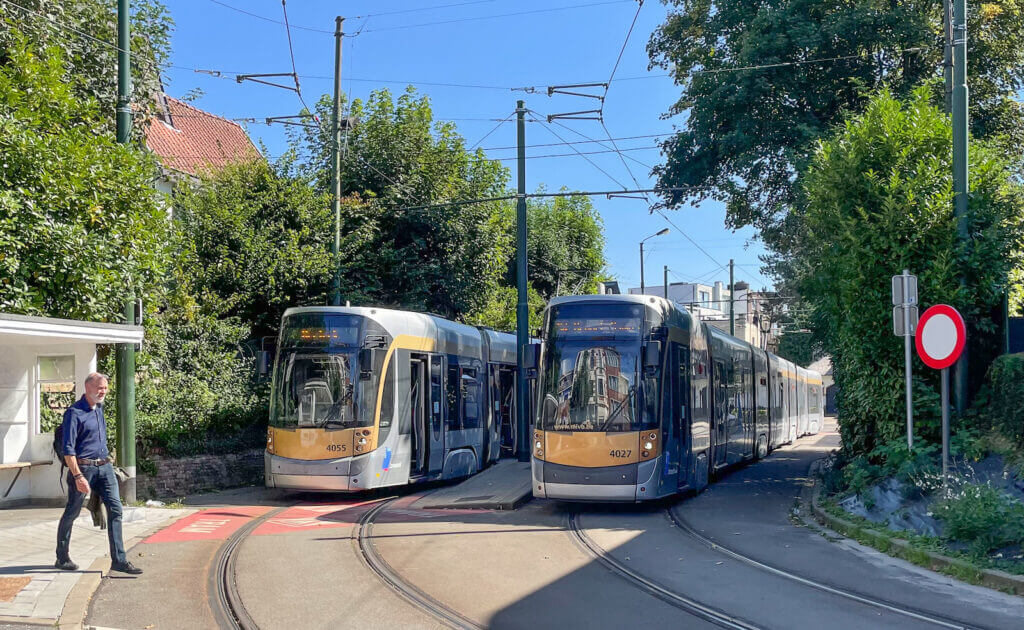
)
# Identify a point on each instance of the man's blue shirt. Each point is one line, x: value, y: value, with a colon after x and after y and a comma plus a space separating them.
x: 85, y: 431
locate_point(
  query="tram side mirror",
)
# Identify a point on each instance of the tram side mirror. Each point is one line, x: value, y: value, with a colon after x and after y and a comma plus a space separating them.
x: 652, y: 355
x: 531, y: 359
x: 367, y: 359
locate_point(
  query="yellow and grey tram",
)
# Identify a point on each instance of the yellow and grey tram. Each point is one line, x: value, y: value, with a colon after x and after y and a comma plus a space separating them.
x: 370, y: 397
x: 637, y: 400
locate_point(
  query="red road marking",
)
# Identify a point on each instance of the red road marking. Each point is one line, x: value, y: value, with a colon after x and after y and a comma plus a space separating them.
x: 212, y: 524
x: 312, y: 516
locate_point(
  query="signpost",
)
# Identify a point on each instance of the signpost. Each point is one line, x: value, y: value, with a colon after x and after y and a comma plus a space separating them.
x: 940, y: 339
x: 904, y: 323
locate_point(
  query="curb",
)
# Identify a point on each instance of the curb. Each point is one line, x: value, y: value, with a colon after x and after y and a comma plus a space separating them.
x: 76, y: 606
x: 952, y: 567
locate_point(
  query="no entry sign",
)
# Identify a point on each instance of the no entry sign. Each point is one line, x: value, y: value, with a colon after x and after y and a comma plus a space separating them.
x: 941, y: 336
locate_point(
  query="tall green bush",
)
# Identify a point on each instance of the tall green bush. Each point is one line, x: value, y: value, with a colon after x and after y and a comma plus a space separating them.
x: 80, y: 224
x: 877, y: 199
x: 1001, y: 401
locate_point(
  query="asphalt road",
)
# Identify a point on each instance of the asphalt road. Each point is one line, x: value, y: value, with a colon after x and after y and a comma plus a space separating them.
x: 304, y: 568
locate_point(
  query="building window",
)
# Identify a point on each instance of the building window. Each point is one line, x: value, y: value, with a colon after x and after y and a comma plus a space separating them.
x: 56, y: 379
x: 705, y: 299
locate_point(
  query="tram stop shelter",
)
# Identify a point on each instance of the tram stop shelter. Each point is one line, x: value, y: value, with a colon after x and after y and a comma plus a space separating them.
x: 43, y: 365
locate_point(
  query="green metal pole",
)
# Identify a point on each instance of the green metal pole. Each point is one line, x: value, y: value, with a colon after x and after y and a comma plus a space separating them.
x: 336, y: 162
x: 666, y: 281
x: 522, y: 306
x: 125, y: 351
x: 732, y: 301
x: 960, y: 170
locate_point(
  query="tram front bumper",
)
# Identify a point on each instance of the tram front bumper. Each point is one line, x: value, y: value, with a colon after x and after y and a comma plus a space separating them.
x: 338, y: 475
x: 630, y: 482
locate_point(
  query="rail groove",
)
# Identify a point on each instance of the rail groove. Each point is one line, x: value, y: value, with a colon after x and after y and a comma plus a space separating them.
x: 686, y: 529
x: 392, y: 578
x: 687, y: 604
x: 227, y: 606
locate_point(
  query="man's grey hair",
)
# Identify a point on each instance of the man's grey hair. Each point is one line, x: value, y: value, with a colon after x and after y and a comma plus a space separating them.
x: 95, y: 376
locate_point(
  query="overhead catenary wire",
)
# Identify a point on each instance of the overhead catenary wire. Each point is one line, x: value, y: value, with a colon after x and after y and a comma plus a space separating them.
x: 592, y: 163
x: 495, y: 128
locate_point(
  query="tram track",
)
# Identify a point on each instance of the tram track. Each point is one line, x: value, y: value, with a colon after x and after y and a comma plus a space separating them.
x: 689, y: 531
x: 703, y: 611
x: 408, y: 591
x: 226, y: 603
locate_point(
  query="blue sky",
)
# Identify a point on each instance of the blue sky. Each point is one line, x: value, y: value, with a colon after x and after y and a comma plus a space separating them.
x: 479, y: 43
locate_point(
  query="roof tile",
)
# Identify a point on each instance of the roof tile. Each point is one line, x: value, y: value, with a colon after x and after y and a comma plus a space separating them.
x: 193, y: 140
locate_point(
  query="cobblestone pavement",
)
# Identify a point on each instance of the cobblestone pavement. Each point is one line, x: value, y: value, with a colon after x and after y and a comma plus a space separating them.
x: 27, y: 541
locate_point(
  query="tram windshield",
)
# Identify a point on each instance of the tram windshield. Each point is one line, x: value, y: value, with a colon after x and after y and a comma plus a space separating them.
x: 589, y: 375
x: 316, y: 378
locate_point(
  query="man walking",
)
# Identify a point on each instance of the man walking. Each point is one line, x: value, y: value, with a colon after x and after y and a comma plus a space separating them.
x: 84, y: 448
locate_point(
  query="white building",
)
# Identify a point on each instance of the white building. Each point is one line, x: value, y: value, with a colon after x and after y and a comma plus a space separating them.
x: 711, y: 304
x: 43, y: 365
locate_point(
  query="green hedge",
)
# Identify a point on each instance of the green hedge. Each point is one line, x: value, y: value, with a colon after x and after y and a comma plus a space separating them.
x: 1002, y: 400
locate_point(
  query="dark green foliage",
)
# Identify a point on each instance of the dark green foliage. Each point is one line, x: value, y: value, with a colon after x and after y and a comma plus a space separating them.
x: 74, y: 26
x: 1000, y: 403
x: 797, y: 347
x: 80, y: 224
x: 445, y: 260
x: 749, y: 132
x: 252, y: 240
x: 565, y: 245
x: 984, y: 517
x: 881, y: 190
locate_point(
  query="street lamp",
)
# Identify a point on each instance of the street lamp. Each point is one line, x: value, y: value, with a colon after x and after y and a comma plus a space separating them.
x: 642, y: 287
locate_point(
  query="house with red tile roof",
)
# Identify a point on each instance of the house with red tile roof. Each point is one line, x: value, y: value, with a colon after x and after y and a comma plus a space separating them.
x: 189, y: 141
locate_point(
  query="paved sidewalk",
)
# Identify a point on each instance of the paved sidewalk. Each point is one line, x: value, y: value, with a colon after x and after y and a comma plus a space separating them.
x: 28, y: 537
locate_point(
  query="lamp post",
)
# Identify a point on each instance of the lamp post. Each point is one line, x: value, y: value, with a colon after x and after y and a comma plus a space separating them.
x: 643, y: 288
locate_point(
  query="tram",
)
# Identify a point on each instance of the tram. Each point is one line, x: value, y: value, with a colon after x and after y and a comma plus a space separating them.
x: 638, y: 400
x: 369, y: 397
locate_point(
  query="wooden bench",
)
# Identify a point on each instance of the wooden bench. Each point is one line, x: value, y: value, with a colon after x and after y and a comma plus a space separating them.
x: 20, y: 466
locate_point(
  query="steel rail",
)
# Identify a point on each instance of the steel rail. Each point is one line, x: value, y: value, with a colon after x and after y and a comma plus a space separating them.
x: 686, y: 529
x: 226, y: 605
x: 376, y: 563
x: 687, y: 604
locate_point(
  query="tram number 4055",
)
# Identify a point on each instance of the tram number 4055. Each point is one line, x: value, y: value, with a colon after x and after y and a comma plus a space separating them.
x: 620, y: 453
x: 337, y: 448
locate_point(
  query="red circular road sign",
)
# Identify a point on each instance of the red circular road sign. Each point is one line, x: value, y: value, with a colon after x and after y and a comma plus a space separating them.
x: 941, y: 335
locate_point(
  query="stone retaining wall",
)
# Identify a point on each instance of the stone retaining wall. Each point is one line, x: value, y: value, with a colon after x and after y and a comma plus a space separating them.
x: 178, y: 477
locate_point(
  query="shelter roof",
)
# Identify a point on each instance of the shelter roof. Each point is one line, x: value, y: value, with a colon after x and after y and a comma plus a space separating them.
x: 29, y: 330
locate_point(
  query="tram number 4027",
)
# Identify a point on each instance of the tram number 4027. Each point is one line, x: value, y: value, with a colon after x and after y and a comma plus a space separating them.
x: 620, y: 453
x: 337, y: 448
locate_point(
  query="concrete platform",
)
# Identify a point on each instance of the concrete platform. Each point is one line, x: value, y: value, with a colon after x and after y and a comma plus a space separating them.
x: 503, y: 486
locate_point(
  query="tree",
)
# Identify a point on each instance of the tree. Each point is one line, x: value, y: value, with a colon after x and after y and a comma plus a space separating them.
x: 444, y: 259
x: 565, y: 246
x: 751, y: 126
x: 880, y: 189
x: 80, y: 225
x: 85, y: 32
x: 251, y: 240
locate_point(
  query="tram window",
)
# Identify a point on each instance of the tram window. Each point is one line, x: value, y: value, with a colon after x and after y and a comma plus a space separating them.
x: 452, y: 390
x: 470, y: 400
x: 435, y: 396
x: 387, y: 402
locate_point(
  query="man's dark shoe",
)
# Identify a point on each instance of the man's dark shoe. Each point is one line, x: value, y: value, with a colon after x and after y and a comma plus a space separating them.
x: 126, y: 567
x: 65, y: 565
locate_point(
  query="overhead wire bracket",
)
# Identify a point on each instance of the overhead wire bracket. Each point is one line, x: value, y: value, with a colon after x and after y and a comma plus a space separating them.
x: 259, y: 78
x: 580, y: 115
x: 568, y: 89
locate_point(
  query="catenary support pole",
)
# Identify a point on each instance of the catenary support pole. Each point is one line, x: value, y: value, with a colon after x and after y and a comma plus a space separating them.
x: 522, y: 304
x: 643, y: 288
x: 666, y: 281
x: 732, y: 301
x: 336, y: 161
x: 125, y: 354
x: 907, y: 365
x: 960, y: 170
x: 947, y: 54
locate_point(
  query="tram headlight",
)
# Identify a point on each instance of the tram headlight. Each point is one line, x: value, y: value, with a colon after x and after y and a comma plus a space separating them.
x: 362, y: 440
x: 538, y: 445
x: 648, y: 446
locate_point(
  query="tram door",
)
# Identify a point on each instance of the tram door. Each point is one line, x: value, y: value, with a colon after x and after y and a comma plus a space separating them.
x: 721, y: 414
x: 427, y: 436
